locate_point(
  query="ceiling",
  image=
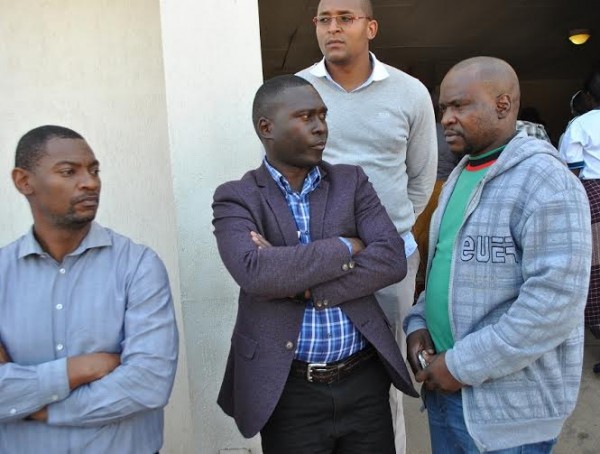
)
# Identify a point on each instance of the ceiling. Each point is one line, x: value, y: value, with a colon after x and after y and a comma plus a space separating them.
x: 426, y: 37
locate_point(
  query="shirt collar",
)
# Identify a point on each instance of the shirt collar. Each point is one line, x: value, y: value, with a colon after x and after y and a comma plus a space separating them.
x: 96, y: 237
x: 311, y: 182
x: 378, y: 73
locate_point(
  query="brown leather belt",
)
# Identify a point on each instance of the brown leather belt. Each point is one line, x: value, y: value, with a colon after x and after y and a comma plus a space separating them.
x: 332, y: 372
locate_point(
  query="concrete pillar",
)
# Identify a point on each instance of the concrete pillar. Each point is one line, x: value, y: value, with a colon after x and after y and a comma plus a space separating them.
x: 96, y: 67
x: 212, y: 61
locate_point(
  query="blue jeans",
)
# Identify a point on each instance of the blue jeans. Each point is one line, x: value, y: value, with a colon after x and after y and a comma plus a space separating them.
x: 449, y: 433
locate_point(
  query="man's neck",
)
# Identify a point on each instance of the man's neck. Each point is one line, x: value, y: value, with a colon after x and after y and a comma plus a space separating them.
x: 295, y: 177
x: 350, y: 75
x: 58, y: 242
x: 501, y: 141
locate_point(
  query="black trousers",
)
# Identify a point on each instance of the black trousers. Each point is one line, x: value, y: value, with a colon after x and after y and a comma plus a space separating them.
x: 349, y: 417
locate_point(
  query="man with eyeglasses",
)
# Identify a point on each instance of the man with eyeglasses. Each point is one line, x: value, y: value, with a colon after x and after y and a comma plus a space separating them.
x: 381, y: 119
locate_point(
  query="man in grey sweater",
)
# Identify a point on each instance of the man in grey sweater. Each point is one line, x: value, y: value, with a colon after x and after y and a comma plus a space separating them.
x: 497, y: 335
x: 381, y: 119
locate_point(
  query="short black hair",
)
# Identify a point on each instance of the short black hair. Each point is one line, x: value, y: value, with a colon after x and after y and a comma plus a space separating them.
x: 32, y: 145
x: 366, y: 6
x: 269, y: 91
x: 592, y: 84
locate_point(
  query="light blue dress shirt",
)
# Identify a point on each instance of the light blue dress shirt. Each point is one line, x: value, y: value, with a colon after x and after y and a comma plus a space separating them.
x: 109, y: 295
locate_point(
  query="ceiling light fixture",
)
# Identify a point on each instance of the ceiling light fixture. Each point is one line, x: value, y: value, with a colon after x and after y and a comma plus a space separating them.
x: 579, y: 36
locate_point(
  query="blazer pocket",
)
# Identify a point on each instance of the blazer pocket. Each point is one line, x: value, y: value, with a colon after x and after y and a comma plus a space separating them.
x: 244, y: 346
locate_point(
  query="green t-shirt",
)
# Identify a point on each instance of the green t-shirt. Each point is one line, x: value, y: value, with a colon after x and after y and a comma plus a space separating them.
x: 438, y: 279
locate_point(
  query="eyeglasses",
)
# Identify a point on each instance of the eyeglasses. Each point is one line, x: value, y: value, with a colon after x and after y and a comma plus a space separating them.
x: 343, y: 20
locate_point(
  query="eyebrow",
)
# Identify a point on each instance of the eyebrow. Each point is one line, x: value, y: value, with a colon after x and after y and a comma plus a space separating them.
x: 335, y: 13
x: 74, y: 163
x: 310, y: 110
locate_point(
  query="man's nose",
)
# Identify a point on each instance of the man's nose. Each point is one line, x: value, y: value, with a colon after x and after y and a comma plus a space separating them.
x: 333, y: 25
x: 320, y: 126
x: 447, y: 118
x: 90, y: 181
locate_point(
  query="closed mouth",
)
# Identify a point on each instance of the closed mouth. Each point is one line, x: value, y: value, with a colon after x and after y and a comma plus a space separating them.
x: 451, y: 134
x: 87, y: 200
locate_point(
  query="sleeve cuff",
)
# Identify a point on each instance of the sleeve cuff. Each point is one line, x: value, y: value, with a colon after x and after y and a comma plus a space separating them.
x: 53, y: 381
x: 575, y: 165
x: 347, y: 243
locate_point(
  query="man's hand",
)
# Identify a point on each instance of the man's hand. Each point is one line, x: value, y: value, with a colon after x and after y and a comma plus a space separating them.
x: 261, y: 243
x: 419, y: 340
x: 357, y: 245
x: 91, y: 367
x: 436, y: 376
x: 259, y: 240
x: 4, y: 358
x: 41, y: 415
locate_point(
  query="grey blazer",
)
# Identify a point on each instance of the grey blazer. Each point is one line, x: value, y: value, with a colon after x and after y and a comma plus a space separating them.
x: 268, y: 320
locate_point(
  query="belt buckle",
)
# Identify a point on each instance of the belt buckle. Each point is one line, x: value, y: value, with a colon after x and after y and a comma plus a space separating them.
x: 309, y: 370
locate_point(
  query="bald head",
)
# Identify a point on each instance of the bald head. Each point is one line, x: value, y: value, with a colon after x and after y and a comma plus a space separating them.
x: 494, y: 74
x: 479, y: 98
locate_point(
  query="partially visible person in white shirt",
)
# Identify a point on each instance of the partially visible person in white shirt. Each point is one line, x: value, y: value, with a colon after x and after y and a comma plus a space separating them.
x: 580, y: 103
x: 580, y: 149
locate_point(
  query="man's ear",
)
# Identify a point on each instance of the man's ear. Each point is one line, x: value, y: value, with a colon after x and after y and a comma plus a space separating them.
x: 21, y: 179
x: 264, y: 126
x: 372, y: 28
x: 504, y: 105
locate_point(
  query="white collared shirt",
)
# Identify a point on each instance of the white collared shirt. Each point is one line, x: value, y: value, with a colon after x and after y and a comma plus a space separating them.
x: 379, y: 72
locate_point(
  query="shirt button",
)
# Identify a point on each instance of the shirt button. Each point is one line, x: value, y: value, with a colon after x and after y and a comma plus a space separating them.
x: 55, y: 397
x: 62, y: 271
x: 319, y: 304
x: 59, y: 347
x: 351, y: 265
x: 345, y: 267
x: 59, y: 307
x: 325, y: 303
x: 289, y: 345
x: 13, y: 411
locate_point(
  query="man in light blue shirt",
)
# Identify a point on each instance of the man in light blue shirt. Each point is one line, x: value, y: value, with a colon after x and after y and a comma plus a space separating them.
x: 88, y: 341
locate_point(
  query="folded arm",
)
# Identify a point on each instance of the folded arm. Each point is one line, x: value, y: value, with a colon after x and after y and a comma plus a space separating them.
x: 27, y: 389
x: 144, y: 379
x: 381, y: 263
x: 324, y: 266
x: 267, y: 271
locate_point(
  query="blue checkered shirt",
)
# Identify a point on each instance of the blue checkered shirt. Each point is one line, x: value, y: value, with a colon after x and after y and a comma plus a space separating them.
x: 326, y: 335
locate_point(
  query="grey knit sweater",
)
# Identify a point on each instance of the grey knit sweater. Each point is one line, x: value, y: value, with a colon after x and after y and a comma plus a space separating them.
x: 387, y: 128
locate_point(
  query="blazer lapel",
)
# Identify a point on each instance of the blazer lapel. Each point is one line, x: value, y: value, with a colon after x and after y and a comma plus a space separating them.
x: 318, y: 204
x: 278, y: 205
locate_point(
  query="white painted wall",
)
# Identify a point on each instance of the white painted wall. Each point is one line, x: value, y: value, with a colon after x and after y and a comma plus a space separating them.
x: 211, y: 51
x: 96, y: 67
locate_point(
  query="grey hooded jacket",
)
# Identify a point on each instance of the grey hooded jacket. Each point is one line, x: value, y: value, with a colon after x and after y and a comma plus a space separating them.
x: 517, y: 291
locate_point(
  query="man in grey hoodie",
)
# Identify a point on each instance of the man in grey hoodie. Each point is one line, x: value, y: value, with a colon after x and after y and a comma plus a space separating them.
x: 497, y: 335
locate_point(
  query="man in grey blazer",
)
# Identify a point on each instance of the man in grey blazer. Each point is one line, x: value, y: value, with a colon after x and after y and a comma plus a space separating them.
x: 312, y: 354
